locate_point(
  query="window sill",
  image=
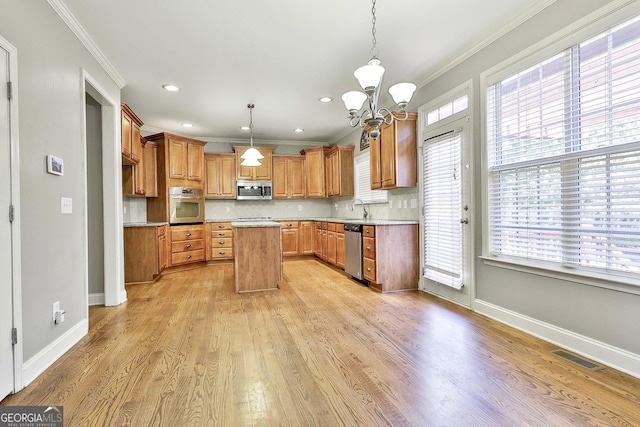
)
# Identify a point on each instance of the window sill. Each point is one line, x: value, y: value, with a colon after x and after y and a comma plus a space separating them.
x: 612, y: 281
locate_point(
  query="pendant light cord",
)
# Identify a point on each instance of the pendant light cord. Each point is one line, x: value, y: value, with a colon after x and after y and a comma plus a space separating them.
x: 374, y: 49
x: 250, y: 106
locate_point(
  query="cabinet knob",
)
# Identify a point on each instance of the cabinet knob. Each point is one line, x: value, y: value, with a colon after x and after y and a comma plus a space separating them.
x: 368, y: 268
x: 189, y: 245
x: 222, y: 252
x: 188, y: 256
x: 188, y: 234
x: 221, y: 226
x: 368, y: 248
x: 220, y: 234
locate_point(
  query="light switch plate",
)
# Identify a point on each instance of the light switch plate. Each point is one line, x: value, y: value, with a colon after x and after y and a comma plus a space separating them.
x: 66, y: 205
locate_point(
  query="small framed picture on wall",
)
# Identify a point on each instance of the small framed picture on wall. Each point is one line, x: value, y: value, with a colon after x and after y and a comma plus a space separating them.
x: 55, y: 165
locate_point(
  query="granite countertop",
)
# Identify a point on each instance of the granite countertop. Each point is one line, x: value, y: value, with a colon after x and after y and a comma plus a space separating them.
x: 255, y: 224
x: 143, y: 224
x: 342, y: 220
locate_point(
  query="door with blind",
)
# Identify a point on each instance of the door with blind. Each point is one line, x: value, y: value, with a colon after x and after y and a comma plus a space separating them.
x: 447, y: 212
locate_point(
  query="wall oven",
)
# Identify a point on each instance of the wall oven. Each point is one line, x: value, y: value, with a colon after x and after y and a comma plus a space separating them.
x: 186, y: 205
x: 254, y: 190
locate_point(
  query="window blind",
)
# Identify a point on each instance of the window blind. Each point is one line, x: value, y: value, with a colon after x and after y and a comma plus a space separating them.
x: 564, y: 157
x: 363, y: 185
x: 442, y: 178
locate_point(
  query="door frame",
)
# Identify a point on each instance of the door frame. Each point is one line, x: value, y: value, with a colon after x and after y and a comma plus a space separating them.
x: 114, y: 291
x: 469, y: 151
x: 16, y: 277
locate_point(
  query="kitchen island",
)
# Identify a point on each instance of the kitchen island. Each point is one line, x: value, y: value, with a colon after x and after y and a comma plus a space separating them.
x: 258, y: 260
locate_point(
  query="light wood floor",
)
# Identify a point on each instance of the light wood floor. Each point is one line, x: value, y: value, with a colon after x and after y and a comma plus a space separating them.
x: 321, y: 351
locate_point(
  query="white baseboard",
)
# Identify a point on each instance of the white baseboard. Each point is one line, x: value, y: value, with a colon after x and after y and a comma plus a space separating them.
x: 96, y: 299
x: 123, y: 296
x: 35, y: 366
x: 606, y: 354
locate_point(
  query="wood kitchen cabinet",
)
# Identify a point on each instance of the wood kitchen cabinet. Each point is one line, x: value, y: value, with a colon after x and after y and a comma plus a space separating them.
x: 307, y: 232
x: 288, y: 177
x: 254, y: 173
x: 340, y: 245
x: 393, y: 155
x: 220, y: 240
x: 220, y: 172
x: 130, y: 125
x: 339, y: 171
x: 332, y: 243
x: 187, y: 244
x: 391, y: 257
x: 317, y: 239
x: 150, y: 161
x: 290, y: 238
x: 314, y: 171
x: 145, y: 253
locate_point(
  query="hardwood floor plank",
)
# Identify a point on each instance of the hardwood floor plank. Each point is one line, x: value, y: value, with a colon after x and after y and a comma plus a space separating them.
x: 322, y: 350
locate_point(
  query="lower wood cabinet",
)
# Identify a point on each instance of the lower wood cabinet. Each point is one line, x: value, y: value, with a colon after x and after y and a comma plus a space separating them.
x: 187, y: 244
x: 306, y: 234
x: 145, y: 253
x: 220, y: 238
x: 340, y: 245
x: 391, y: 257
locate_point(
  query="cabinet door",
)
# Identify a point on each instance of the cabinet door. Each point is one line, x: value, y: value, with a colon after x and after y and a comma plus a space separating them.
x: 328, y: 174
x: 315, y: 177
x: 125, y: 124
x: 177, y: 159
x: 332, y: 247
x: 136, y: 147
x: 388, y: 155
x: 263, y: 173
x: 296, y: 177
x: 280, y: 178
x: 290, y: 241
x: 340, y: 250
x: 307, y: 230
x: 227, y: 175
x: 139, y: 171
x: 150, y: 159
x: 195, y: 162
x: 374, y: 161
x: 212, y: 180
x: 317, y: 242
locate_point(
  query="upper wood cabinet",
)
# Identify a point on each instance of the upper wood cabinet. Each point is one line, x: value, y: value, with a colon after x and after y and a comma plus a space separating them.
x: 220, y: 172
x: 288, y: 177
x: 130, y: 135
x: 254, y: 173
x: 181, y: 159
x: 393, y: 155
x: 314, y: 171
x: 150, y: 161
x: 339, y: 170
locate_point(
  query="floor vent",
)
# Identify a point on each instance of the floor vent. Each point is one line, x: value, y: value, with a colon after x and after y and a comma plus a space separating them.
x: 578, y: 360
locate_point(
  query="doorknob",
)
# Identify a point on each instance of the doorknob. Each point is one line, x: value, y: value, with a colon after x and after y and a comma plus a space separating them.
x: 464, y: 221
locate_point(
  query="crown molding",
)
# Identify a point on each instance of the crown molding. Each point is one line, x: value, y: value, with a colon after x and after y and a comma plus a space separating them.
x: 67, y: 17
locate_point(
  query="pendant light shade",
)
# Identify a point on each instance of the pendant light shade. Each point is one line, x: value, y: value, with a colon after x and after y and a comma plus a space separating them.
x: 251, y: 162
x: 353, y: 100
x: 402, y: 93
x: 252, y: 153
x: 251, y: 156
x: 370, y: 75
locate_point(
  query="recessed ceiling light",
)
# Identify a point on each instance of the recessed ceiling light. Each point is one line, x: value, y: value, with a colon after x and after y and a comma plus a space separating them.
x: 171, y: 88
x: 245, y: 128
x: 325, y: 99
x: 299, y: 130
x: 187, y: 125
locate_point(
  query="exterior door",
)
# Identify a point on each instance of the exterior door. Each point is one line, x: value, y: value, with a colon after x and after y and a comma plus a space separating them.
x: 447, y: 212
x: 6, y: 268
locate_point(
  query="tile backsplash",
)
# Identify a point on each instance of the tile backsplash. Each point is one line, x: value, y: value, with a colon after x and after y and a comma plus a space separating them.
x: 134, y: 209
x: 286, y: 209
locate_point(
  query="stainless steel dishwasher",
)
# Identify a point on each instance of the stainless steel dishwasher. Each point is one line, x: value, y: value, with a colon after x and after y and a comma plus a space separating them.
x: 353, y: 250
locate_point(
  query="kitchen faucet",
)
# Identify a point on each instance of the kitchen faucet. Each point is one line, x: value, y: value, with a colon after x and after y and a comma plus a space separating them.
x: 365, y: 213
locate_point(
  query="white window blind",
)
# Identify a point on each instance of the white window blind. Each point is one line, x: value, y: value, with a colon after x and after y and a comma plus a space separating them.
x: 442, y: 178
x: 363, y: 181
x: 564, y: 157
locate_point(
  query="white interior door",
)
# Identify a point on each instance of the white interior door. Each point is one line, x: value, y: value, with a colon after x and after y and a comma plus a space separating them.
x: 446, y: 221
x: 6, y: 286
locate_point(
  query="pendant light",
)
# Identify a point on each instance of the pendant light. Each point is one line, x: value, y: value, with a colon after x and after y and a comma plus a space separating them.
x: 252, y: 156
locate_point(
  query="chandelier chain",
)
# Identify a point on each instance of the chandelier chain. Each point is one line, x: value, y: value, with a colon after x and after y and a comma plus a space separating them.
x: 374, y: 49
x: 250, y: 106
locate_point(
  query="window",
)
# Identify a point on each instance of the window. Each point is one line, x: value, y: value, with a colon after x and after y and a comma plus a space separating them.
x: 563, y: 147
x: 363, y: 181
x: 448, y: 109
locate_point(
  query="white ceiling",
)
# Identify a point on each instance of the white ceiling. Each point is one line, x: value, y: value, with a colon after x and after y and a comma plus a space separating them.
x: 281, y: 55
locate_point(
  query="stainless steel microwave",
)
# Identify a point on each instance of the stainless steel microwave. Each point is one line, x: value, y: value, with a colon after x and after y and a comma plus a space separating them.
x: 254, y: 190
x: 186, y: 205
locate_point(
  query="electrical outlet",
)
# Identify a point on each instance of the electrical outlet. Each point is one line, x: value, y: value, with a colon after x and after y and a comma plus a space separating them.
x: 227, y: 208
x: 55, y: 308
x: 124, y: 210
x: 66, y: 205
x: 300, y: 207
x: 414, y: 204
x: 390, y: 204
x: 404, y: 203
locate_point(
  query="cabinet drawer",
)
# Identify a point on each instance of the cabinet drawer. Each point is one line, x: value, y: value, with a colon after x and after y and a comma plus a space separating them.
x: 186, y: 257
x: 220, y: 226
x: 289, y: 224
x: 221, y: 242
x: 187, y: 245
x: 221, y: 233
x: 339, y: 227
x: 368, y: 231
x: 221, y: 253
x: 369, y: 247
x: 369, y: 267
x: 178, y: 235
x: 331, y: 226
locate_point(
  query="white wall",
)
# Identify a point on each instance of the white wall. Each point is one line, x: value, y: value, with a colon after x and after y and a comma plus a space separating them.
x: 51, y: 121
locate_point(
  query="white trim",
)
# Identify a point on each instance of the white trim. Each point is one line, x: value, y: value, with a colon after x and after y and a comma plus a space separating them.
x: 514, y: 23
x: 617, y: 358
x: 16, y: 235
x: 96, y: 299
x: 74, y: 25
x: 114, y: 291
x: 51, y: 353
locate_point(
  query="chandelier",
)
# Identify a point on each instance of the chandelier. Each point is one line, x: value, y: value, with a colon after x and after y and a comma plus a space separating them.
x: 252, y: 156
x: 370, y: 78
